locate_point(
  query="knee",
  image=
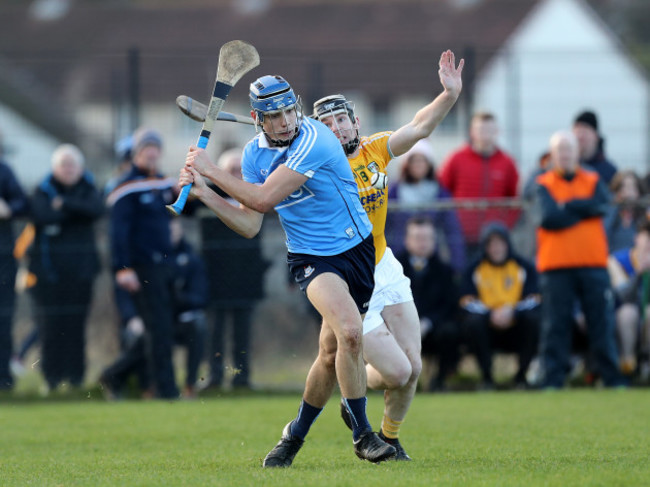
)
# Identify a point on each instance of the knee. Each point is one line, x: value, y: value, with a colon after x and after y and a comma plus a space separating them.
x: 350, y: 337
x: 627, y: 315
x: 327, y: 357
x: 400, y: 375
x: 416, y: 368
x: 404, y: 373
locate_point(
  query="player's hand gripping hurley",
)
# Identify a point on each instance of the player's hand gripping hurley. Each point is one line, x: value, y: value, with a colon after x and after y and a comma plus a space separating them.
x: 236, y: 58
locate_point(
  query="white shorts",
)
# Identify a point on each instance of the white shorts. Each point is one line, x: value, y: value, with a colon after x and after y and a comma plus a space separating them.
x: 391, y: 287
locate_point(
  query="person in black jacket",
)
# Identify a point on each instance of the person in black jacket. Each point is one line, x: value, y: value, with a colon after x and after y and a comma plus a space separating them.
x: 591, y: 145
x: 140, y: 248
x: 190, y: 300
x: 190, y: 297
x: 435, y: 296
x: 236, y: 268
x: 13, y: 203
x: 65, y: 261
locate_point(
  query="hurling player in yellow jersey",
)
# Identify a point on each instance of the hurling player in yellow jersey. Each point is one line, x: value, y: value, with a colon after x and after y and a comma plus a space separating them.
x: 391, y: 327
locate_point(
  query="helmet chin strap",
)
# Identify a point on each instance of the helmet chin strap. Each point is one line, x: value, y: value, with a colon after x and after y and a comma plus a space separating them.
x: 279, y: 142
x: 351, y: 146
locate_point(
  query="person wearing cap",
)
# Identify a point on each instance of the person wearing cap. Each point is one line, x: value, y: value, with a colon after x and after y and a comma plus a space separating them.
x: 592, y: 146
x: 123, y: 149
x: 140, y: 246
x: 572, y: 256
x: 13, y: 204
x: 295, y: 166
x: 391, y: 328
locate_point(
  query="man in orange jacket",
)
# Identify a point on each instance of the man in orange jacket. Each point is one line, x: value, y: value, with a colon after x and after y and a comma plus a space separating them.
x: 572, y: 259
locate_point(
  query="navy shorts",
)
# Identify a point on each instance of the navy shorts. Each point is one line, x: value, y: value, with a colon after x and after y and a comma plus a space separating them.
x: 355, y: 266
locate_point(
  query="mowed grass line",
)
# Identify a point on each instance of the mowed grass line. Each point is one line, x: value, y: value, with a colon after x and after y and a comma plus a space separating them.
x: 575, y: 437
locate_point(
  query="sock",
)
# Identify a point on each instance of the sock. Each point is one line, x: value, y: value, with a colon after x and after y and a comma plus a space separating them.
x: 307, y: 414
x: 390, y: 428
x: 357, y: 409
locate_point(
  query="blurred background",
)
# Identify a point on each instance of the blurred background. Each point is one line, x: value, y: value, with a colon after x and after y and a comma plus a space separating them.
x: 89, y: 73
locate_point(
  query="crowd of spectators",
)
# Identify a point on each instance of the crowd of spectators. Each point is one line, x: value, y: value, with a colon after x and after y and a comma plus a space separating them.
x: 578, y: 284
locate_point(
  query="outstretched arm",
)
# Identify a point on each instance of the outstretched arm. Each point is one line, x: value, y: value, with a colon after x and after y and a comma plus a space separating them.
x: 428, y: 117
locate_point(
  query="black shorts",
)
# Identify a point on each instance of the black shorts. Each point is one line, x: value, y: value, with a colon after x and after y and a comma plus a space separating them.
x: 355, y: 266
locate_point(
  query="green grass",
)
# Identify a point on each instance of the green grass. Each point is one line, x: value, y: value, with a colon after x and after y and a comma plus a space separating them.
x: 574, y: 437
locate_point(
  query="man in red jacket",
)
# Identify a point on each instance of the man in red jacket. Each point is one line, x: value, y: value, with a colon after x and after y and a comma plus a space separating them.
x: 479, y: 169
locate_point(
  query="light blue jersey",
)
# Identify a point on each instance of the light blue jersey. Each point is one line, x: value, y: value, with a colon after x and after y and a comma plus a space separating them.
x: 324, y: 216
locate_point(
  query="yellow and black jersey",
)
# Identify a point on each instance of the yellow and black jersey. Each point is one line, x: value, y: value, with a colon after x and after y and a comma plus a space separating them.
x: 374, y: 156
x: 499, y: 285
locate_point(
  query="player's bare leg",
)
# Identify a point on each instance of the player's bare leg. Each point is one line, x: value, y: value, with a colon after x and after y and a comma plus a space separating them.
x: 330, y: 296
x: 404, y: 324
x: 394, y: 364
x: 321, y: 379
x: 627, y: 319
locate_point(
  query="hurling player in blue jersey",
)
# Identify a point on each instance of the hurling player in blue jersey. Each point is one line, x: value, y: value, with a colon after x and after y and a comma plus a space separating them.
x: 296, y: 166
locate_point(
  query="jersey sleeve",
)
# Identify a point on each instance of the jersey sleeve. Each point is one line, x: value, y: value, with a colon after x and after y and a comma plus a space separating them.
x: 381, y: 148
x: 249, y: 174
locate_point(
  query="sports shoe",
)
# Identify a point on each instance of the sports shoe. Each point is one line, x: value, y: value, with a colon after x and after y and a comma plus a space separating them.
x: 345, y: 415
x: 285, y: 451
x: 400, y: 454
x: 370, y: 447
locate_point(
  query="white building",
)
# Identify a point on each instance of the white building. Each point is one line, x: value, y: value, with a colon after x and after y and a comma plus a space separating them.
x: 561, y: 60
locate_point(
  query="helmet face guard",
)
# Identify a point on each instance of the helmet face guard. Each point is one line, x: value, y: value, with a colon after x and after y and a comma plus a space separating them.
x: 272, y: 96
x: 333, y: 105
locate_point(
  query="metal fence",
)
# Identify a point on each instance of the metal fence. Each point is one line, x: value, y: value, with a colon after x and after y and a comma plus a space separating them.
x: 285, y: 328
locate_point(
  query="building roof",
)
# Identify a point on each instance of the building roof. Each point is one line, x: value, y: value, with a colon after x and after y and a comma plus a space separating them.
x: 379, y: 47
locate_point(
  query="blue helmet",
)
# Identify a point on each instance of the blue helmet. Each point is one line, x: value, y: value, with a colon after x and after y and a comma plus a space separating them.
x: 272, y: 93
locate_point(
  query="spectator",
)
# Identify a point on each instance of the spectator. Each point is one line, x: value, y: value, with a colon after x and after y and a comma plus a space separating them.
x: 629, y: 270
x: 419, y: 188
x: 141, y: 246
x: 500, y: 302
x: 435, y: 296
x: 572, y: 260
x: 480, y: 169
x: 133, y: 358
x: 65, y: 261
x: 13, y: 203
x: 523, y: 237
x: 591, y: 146
x: 227, y: 253
x: 123, y: 154
x: 627, y: 211
x: 25, y: 280
x: 543, y: 164
x: 189, y: 302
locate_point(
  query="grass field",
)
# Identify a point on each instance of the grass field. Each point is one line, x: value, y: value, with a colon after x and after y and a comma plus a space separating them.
x: 574, y: 437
